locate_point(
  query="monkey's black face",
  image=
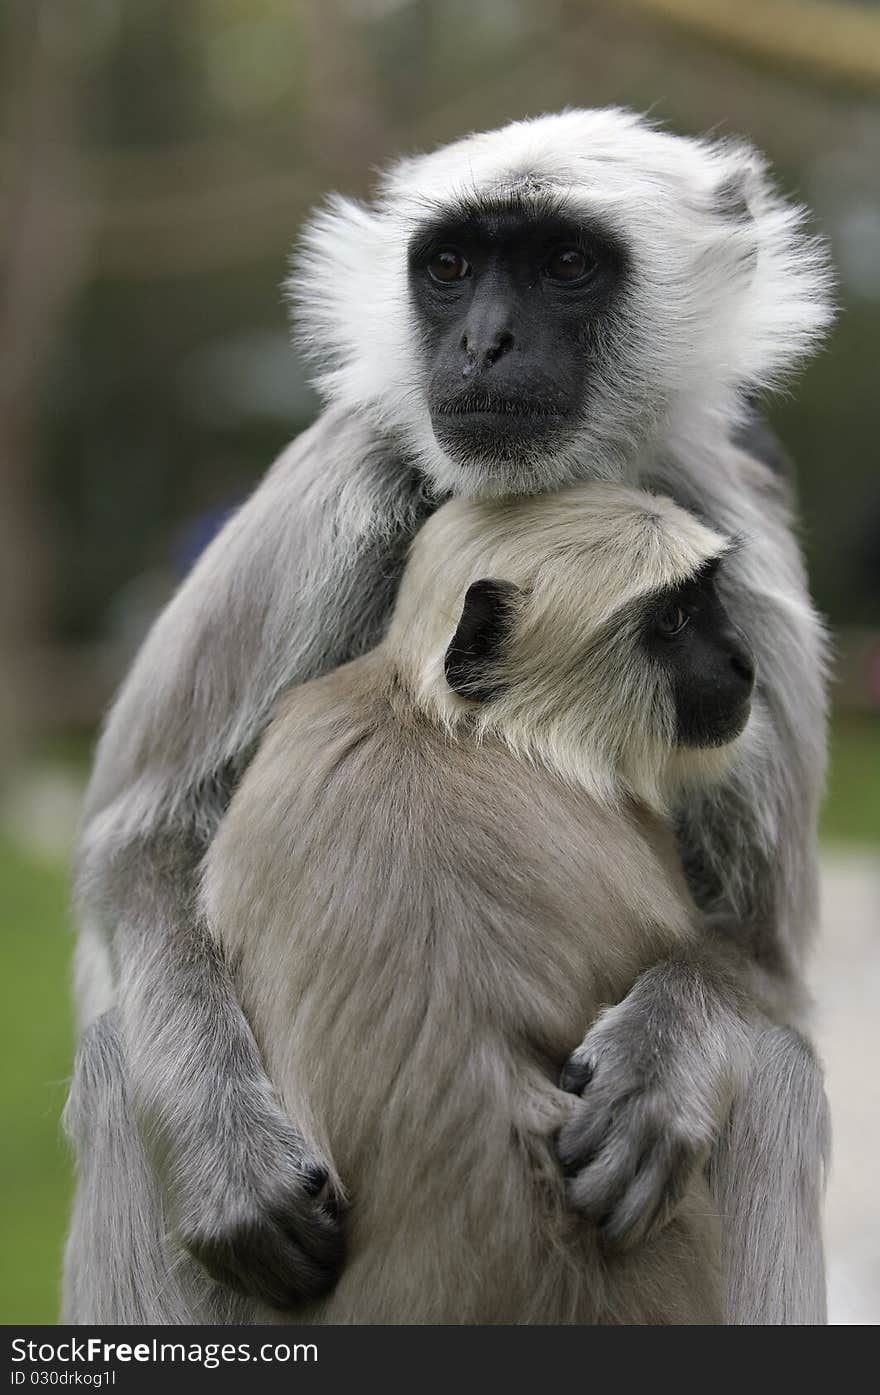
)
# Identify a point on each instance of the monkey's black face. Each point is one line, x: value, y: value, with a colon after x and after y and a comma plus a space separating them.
x: 710, y: 665
x: 511, y: 304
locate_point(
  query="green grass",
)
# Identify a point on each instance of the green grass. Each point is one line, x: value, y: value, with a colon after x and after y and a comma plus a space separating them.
x: 851, y: 812
x: 36, y: 1033
x: 35, y: 1044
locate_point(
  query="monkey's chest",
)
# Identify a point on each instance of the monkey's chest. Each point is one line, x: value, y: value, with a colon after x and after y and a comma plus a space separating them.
x: 418, y: 1037
x: 441, y: 1034
x: 429, y: 997
x: 430, y: 1077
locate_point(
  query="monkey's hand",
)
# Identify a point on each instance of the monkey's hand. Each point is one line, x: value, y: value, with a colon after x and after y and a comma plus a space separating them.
x: 259, y: 1212
x: 656, y: 1077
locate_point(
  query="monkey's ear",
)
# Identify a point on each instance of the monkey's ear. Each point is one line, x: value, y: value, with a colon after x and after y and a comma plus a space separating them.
x: 479, y: 639
x: 733, y: 195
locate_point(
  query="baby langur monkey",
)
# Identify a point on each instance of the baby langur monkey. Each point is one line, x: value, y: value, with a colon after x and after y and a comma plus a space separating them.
x: 444, y: 861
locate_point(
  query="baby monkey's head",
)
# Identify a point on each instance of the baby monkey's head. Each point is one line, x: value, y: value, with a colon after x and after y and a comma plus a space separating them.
x: 584, y: 628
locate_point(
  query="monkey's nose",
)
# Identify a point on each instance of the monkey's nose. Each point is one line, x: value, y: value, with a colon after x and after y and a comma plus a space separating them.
x: 482, y: 351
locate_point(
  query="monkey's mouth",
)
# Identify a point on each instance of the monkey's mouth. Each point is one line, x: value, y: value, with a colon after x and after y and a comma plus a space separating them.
x: 482, y: 405
x: 488, y: 432
x: 716, y: 727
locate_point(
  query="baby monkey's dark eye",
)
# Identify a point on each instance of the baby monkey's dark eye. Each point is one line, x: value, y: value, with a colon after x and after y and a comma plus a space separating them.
x: 568, y: 264
x: 448, y: 265
x: 670, y: 619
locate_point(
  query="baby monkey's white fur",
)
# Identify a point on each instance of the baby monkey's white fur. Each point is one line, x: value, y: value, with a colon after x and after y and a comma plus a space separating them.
x: 588, y: 707
x: 424, y: 923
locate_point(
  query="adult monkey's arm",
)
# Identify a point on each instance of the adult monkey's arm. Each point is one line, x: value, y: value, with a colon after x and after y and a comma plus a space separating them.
x: 691, y: 1065
x: 751, y: 854
x: 299, y: 581
x: 749, y: 849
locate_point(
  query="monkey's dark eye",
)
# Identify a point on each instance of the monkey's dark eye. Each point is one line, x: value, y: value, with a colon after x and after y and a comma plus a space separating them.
x: 568, y: 264
x: 670, y: 619
x: 448, y: 265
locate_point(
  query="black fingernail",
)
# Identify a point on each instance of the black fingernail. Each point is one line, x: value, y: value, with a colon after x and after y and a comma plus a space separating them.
x: 575, y: 1076
x: 331, y: 1206
x: 314, y: 1179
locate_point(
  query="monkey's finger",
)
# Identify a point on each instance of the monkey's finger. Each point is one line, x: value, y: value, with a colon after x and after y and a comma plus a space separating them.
x: 314, y: 1251
x: 651, y: 1198
x: 594, y: 1191
x: 281, y: 1281
x: 581, y: 1139
x: 577, y: 1073
x: 578, y: 1142
x: 596, y: 1188
x: 275, y: 1267
x: 278, y: 1256
x: 315, y: 1229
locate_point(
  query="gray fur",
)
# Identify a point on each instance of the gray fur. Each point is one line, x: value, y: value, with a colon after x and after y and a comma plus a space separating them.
x: 302, y: 580
x: 774, y: 1149
x: 658, y: 1074
x: 230, y: 1161
x: 119, y: 1230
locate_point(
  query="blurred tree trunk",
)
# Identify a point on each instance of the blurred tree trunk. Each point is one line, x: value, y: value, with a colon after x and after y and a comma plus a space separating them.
x: 346, y: 125
x: 42, y: 254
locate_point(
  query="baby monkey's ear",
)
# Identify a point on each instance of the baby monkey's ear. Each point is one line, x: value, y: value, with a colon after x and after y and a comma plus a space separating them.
x: 479, y: 640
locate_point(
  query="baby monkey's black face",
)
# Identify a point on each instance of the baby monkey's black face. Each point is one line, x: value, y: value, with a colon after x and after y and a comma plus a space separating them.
x: 685, y: 631
x: 709, y: 664
x: 511, y: 305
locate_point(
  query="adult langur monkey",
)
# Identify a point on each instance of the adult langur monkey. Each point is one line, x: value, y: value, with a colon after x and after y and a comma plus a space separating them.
x: 573, y: 297
x: 444, y: 858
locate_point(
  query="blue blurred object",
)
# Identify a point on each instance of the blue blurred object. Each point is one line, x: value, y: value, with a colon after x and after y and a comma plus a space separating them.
x: 195, y: 533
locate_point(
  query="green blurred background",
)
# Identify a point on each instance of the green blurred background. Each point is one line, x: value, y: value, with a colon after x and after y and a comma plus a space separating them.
x: 157, y: 157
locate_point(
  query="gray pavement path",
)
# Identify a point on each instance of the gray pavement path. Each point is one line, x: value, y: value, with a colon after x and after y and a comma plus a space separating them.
x: 846, y: 982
